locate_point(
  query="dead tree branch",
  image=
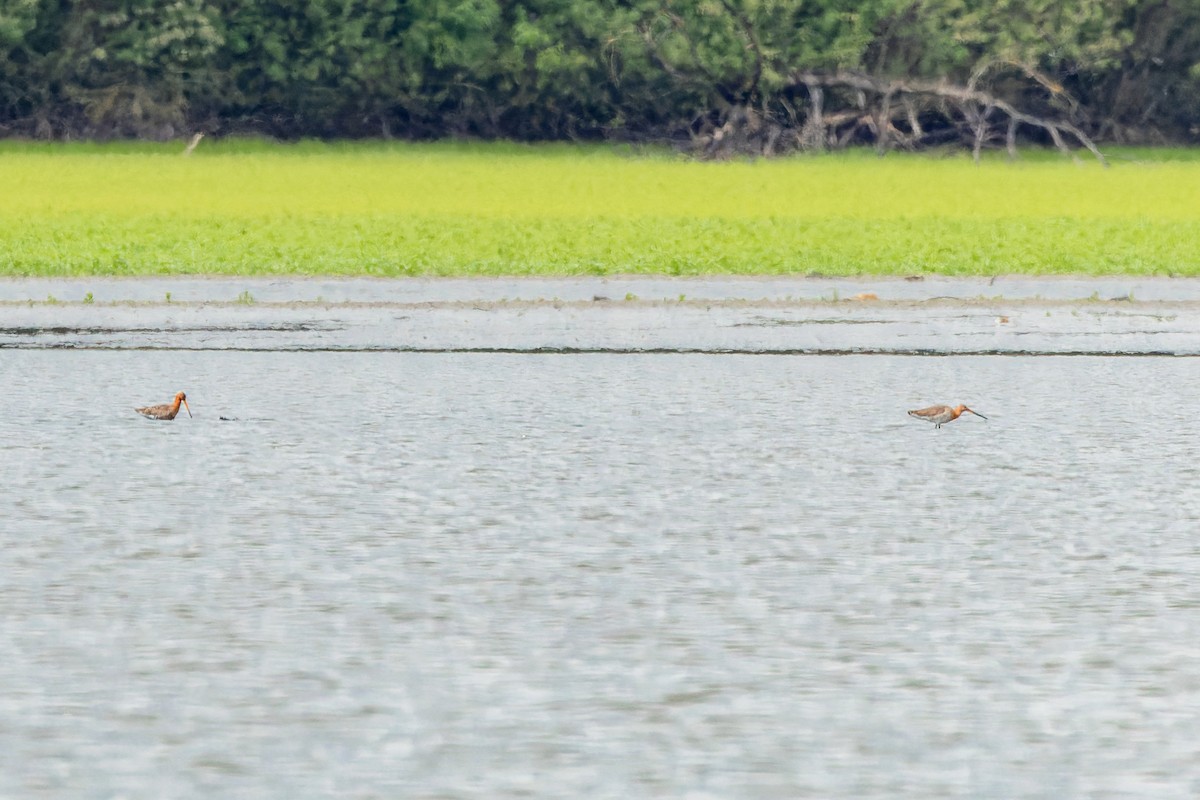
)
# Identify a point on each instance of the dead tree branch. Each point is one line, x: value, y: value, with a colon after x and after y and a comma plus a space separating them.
x: 965, y: 97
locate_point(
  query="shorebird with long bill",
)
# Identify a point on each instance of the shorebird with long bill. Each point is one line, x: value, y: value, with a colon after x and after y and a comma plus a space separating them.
x: 166, y: 410
x: 940, y: 415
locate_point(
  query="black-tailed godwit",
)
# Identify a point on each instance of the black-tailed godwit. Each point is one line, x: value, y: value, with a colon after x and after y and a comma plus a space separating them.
x: 166, y: 410
x: 942, y: 414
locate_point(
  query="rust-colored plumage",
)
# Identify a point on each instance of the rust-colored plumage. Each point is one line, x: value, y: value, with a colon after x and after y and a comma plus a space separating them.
x: 166, y: 410
x: 942, y: 414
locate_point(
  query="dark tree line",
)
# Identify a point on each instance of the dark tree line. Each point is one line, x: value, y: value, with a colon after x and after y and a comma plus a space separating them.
x: 723, y: 76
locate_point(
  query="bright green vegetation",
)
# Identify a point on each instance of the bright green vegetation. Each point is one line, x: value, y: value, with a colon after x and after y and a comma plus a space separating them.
x: 390, y: 210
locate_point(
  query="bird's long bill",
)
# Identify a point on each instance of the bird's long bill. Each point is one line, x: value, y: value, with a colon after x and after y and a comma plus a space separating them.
x: 976, y: 413
x: 189, y: 410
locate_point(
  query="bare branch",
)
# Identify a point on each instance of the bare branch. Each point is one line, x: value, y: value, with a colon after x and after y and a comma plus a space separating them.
x: 883, y: 123
x: 1054, y: 87
x: 914, y: 120
x: 963, y: 96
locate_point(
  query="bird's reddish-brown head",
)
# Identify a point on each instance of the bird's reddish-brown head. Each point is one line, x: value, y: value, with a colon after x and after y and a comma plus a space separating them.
x: 962, y: 408
x: 180, y: 397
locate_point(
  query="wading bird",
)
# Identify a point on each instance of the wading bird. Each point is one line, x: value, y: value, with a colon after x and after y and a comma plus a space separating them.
x: 940, y: 414
x: 166, y: 410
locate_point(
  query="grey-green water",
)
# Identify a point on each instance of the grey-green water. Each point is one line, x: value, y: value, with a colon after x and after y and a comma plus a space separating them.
x: 609, y: 576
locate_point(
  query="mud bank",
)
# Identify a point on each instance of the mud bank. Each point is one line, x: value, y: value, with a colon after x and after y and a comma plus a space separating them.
x: 919, y: 317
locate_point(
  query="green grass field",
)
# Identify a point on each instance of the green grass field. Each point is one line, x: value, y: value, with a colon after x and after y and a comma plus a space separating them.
x: 250, y: 208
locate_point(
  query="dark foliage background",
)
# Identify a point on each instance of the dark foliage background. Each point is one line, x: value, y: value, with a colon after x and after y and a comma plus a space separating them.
x: 743, y: 75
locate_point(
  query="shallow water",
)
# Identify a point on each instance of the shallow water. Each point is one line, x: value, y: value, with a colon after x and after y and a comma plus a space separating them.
x: 563, y: 576
x: 939, y: 327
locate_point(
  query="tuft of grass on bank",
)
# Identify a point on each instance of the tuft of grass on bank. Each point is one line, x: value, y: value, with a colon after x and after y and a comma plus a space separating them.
x: 385, y: 209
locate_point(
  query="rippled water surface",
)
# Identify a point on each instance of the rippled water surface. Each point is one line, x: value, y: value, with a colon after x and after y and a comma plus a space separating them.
x: 483, y: 576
